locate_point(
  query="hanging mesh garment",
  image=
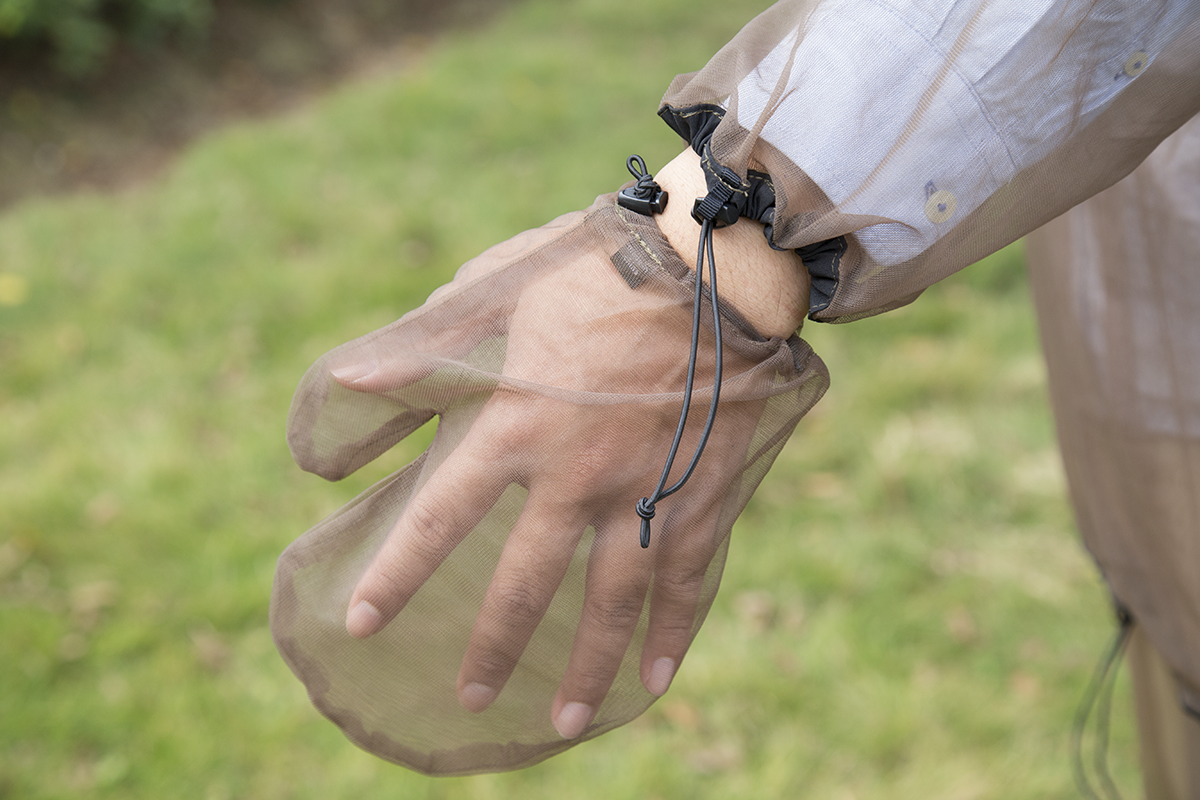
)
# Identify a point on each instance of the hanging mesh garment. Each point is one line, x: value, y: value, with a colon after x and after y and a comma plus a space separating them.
x: 1117, y: 285
x: 555, y: 364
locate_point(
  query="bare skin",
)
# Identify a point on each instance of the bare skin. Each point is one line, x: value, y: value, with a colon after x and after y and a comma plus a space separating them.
x: 581, y: 476
x: 769, y: 287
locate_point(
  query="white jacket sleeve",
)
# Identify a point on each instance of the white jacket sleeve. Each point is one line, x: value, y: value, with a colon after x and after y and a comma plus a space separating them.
x: 914, y: 137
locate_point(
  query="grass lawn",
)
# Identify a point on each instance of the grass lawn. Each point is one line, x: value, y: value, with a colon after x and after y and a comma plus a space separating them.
x: 906, y: 611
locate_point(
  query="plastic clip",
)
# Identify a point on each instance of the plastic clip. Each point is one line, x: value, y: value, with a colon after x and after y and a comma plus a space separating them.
x: 645, y: 197
x: 727, y: 214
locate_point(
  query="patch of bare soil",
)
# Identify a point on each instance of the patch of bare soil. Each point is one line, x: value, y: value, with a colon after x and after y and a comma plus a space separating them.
x: 260, y: 58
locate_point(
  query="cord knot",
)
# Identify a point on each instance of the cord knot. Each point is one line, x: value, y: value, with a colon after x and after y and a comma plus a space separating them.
x: 645, y: 508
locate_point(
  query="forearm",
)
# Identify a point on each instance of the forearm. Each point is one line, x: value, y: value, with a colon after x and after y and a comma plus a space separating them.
x: 927, y: 135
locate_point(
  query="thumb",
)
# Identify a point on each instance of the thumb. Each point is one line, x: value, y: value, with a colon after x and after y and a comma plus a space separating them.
x: 360, y: 399
x: 336, y: 426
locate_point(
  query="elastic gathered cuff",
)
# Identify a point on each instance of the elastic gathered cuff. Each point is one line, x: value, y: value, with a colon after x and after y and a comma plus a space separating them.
x: 754, y: 197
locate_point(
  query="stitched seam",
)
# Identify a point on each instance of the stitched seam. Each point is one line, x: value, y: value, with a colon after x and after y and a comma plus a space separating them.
x: 637, y: 237
x: 708, y: 160
x: 837, y: 279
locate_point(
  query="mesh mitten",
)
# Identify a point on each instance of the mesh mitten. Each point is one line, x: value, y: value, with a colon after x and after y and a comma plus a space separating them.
x: 501, y: 606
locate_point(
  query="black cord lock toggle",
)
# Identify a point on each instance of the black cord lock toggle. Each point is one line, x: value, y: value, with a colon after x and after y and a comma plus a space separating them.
x: 717, y: 206
x: 723, y: 215
x: 645, y: 197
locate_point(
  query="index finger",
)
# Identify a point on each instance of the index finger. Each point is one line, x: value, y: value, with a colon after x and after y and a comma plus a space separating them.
x: 440, y: 515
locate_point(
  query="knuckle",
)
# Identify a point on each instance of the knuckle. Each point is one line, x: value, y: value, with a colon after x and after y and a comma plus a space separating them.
x: 491, y: 665
x: 616, y: 612
x: 386, y: 586
x: 674, y: 629
x: 385, y: 577
x: 590, y: 680
x: 426, y: 516
x: 513, y: 419
x: 431, y: 528
x: 517, y: 602
x: 680, y: 585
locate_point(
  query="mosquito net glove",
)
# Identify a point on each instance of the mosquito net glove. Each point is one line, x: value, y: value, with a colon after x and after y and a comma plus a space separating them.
x: 490, y: 605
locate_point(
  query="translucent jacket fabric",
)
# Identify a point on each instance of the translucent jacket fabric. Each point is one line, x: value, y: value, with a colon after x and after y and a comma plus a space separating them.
x: 891, y: 142
x: 922, y: 135
x: 930, y: 133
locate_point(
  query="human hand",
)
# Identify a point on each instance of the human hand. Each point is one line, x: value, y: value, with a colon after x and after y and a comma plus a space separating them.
x: 509, y: 553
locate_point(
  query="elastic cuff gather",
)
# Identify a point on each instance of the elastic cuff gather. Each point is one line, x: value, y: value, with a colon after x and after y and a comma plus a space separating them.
x: 754, y: 197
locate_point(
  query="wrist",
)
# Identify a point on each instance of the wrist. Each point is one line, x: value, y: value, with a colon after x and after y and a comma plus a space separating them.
x: 768, y: 287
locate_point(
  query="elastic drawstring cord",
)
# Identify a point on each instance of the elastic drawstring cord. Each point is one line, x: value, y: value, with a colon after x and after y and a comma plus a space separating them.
x: 645, y: 506
x: 1100, y: 688
x: 647, y: 197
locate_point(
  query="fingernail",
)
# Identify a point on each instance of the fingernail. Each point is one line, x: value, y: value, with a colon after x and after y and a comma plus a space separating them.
x: 353, y: 372
x: 476, y: 697
x: 661, y: 674
x: 363, y: 620
x: 573, y: 718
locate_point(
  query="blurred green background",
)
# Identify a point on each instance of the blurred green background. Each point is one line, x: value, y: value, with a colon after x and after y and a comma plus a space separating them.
x: 906, y: 611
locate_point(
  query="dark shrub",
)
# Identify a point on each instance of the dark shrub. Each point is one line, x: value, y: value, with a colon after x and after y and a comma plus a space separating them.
x: 80, y: 34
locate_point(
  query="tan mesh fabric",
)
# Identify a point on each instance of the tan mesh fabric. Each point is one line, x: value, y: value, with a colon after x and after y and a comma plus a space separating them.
x: 1117, y: 285
x: 555, y: 363
x: 934, y: 132
x: 496, y: 587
